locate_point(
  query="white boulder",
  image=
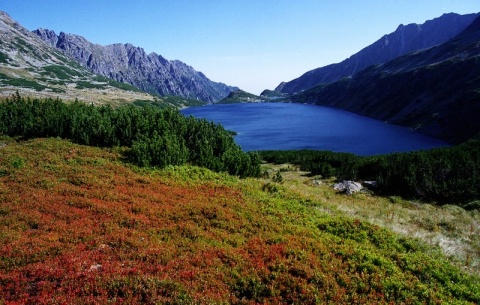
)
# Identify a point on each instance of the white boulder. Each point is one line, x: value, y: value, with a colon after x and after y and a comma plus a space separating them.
x: 348, y: 187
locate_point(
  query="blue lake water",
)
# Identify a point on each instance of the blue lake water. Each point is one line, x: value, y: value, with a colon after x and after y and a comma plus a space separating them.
x: 288, y: 126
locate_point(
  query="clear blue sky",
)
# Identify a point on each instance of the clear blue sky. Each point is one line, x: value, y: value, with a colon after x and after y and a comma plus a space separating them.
x: 253, y: 44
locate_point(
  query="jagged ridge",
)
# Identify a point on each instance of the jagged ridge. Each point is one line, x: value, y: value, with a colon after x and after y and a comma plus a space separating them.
x: 129, y: 64
x: 406, y: 39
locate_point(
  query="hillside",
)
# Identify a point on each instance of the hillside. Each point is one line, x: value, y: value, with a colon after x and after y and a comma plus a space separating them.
x: 405, y: 39
x: 80, y: 226
x: 272, y: 94
x: 240, y: 96
x: 435, y: 91
x: 33, y: 68
x: 132, y: 65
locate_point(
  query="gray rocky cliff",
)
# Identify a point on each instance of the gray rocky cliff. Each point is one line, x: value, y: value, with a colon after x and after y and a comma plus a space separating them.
x: 126, y: 63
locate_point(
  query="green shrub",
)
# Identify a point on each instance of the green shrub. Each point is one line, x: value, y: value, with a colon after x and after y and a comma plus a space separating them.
x: 3, y: 58
x: 278, y: 177
x: 157, y: 137
x: 444, y: 175
x: 60, y: 72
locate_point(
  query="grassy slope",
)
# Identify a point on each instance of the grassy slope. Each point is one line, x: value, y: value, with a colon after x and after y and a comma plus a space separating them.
x: 455, y: 230
x: 79, y: 226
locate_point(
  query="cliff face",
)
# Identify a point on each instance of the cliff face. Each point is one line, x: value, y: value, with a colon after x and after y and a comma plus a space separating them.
x: 436, y: 91
x: 129, y: 64
x: 406, y: 39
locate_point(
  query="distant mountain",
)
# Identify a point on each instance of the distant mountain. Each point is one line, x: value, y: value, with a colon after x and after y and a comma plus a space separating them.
x: 406, y: 39
x: 436, y: 91
x: 34, y: 68
x: 129, y: 64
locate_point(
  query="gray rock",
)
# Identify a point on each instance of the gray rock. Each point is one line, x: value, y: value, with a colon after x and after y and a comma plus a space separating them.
x: 370, y: 184
x: 348, y: 187
x: 95, y: 267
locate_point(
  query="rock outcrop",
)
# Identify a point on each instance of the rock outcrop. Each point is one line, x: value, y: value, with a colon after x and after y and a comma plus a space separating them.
x: 348, y: 187
x: 126, y: 63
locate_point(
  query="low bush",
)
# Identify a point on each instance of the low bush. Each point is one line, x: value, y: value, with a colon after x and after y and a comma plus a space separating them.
x: 443, y: 175
x: 156, y: 137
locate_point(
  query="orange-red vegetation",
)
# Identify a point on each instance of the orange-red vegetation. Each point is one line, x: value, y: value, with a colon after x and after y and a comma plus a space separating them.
x: 78, y: 226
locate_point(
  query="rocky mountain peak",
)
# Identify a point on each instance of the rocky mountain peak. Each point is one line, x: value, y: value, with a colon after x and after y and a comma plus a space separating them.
x: 48, y: 36
x: 131, y: 64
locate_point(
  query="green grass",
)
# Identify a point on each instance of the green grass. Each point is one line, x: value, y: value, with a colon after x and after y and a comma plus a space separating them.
x: 455, y: 230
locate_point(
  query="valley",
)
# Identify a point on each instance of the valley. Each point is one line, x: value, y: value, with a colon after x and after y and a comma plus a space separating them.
x: 110, y: 195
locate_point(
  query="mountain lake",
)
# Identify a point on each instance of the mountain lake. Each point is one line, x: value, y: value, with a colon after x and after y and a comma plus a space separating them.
x: 290, y: 126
